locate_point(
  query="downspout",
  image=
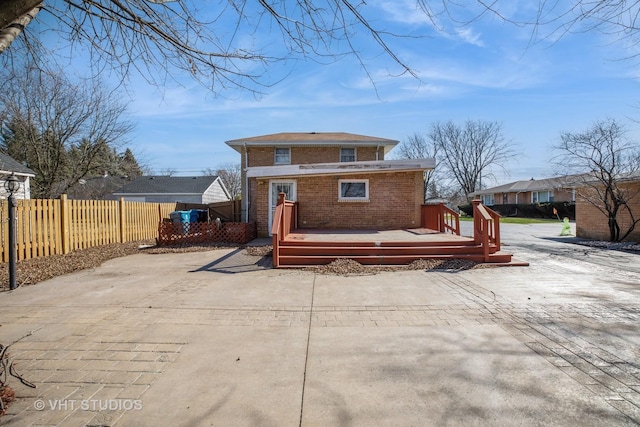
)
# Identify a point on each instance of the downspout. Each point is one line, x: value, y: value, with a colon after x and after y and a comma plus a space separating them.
x: 377, y: 149
x: 246, y: 183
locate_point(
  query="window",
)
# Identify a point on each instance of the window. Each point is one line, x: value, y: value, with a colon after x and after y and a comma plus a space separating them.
x: 541, y: 196
x: 487, y: 199
x: 283, y: 156
x: 353, y: 190
x: 347, y: 154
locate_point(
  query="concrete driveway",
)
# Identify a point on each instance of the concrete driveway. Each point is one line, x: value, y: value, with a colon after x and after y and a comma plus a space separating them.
x: 211, y: 338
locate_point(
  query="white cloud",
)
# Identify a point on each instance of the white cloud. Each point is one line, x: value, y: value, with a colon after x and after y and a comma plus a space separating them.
x: 470, y: 37
x: 403, y: 11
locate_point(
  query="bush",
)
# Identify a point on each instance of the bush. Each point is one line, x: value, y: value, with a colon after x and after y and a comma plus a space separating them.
x: 535, y: 210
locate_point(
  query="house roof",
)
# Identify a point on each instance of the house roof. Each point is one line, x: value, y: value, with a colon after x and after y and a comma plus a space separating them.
x: 313, y: 139
x: 532, y: 185
x: 342, y: 168
x: 8, y: 164
x: 167, y: 185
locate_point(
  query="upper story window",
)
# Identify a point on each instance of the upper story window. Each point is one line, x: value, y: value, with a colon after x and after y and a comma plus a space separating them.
x: 541, y: 196
x: 347, y: 154
x: 487, y: 199
x: 282, y: 156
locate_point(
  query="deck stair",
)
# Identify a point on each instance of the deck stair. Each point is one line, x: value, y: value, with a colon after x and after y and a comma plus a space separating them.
x: 294, y: 253
x: 297, y: 248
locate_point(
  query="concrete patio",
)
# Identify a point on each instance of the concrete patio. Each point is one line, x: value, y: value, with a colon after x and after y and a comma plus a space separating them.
x: 211, y: 338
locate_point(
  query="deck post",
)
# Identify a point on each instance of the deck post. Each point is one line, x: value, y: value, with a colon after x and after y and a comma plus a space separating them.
x: 276, y: 236
x: 477, y: 225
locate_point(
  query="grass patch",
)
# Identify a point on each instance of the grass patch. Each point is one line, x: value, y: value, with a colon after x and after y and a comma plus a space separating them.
x: 514, y: 220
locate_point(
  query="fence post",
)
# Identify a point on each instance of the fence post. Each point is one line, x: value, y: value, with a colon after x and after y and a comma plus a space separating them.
x: 121, y: 211
x: 65, y: 224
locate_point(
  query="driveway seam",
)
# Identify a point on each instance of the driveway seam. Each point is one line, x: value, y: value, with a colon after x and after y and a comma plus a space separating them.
x: 306, y: 357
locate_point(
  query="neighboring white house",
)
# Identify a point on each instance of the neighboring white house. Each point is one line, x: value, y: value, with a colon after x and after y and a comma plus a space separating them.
x: 169, y: 189
x: 9, y: 165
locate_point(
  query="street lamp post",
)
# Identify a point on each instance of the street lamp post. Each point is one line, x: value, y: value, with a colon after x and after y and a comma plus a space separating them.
x: 12, y: 184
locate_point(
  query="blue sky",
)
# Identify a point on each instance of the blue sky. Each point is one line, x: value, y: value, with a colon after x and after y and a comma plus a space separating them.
x: 486, y: 70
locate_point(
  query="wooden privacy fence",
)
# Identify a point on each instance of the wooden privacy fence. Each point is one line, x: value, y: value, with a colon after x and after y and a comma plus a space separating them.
x: 50, y: 227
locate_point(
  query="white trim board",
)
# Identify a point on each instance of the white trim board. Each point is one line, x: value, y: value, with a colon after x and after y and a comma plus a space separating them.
x: 343, y: 168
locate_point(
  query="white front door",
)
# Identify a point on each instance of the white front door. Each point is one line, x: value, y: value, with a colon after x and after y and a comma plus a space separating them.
x: 276, y: 187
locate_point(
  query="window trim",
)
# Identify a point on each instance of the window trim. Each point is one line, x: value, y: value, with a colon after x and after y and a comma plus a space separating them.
x: 353, y: 199
x: 535, y: 196
x: 275, y: 156
x: 355, y: 154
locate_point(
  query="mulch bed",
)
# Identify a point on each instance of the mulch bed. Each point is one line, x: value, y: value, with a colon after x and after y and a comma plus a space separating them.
x: 7, y: 395
x: 349, y: 267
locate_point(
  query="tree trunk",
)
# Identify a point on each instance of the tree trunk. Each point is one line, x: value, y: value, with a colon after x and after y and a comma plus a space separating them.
x: 9, y: 32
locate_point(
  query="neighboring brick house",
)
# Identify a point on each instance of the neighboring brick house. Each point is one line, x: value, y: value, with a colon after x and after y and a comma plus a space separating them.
x: 340, y: 181
x: 559, y: 189
x: 169, y: 189
x: 591, y: 223
x: 8, y: 166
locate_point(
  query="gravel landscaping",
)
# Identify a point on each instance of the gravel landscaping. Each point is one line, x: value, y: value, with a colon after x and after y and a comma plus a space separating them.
x: 349, y: 267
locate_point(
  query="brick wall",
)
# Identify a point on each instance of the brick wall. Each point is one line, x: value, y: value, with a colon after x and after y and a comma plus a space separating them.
x: 394, y: 202
x: 593, y: 224
x: 265, y: 156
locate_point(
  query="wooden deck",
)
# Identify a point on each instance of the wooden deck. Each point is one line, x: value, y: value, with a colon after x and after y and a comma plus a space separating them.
x: 305, y: 247
x: 424, y: 235
x: 294, y: 247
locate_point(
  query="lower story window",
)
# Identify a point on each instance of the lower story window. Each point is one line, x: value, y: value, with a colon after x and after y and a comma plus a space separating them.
x: 542, y: 196
x: 487, y: 199
x: 353, y: 189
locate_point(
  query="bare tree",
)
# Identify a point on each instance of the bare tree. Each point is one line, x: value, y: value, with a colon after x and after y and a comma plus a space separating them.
x: 604, y: 161
x: 221, y: 46
x: 167, y: 172
x: 231, y: 175
x: 60, y: 129
x: 226, y: 45
x: 416, y: 146
x: 469, y: 152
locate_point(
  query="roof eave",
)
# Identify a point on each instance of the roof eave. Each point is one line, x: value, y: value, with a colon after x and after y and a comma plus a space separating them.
x: 30, y: 175
x: 341, y: 168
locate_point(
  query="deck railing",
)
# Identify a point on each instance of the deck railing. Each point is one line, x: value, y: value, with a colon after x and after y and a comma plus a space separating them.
x: 486, y: 227
x: 285, y: 219
x: 441, y: 218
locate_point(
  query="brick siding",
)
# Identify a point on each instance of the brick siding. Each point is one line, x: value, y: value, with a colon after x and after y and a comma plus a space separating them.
x: 591, y: 223
x: 265, y: 156
x: 394, y: 202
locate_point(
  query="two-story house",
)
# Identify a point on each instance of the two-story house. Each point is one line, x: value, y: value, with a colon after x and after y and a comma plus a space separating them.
x: 340, y: 181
